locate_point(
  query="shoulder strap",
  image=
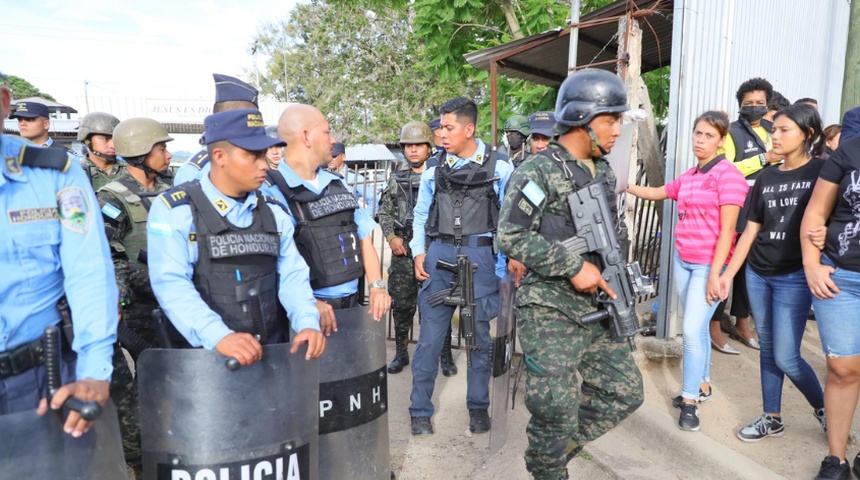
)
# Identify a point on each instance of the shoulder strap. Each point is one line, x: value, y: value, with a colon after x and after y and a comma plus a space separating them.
x: 200, y: 202
x: 275, y: 201
x: 200, y: 159
x: 177, y: 195
x: 40, y: 157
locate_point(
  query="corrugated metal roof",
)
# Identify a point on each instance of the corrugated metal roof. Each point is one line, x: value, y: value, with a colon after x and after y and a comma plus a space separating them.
x: 368, y: 153
x: 542, y: 58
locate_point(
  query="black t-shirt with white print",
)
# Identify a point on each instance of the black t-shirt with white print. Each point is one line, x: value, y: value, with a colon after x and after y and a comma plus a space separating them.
x: 843, y: 232
x: 777, y: 202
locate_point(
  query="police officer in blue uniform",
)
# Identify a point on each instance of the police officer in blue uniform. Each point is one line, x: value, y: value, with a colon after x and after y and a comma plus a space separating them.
x: 457, y: 208
x: 52, y: 245
x: 212, y: 241
x: 34, y: 122
x: 355, y: 182
x: 230, y: 94
x: 438, y: 150
x: 335, y: 244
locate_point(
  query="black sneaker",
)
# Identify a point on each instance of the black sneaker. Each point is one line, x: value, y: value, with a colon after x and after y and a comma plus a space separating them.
x: 857, y: 465
x: 761, y: 427
x: 421, y: 426
x: 703, y: 398
x: 689, y: 419
x: 831, y: 469
x: 479, y: 421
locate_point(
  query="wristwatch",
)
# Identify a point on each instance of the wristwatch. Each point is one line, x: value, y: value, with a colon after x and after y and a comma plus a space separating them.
x: 378, y: 284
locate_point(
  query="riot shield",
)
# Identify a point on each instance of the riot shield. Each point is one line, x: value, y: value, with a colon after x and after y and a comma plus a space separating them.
x: 200, y: 420
x: 36, y: 447
x: 353, y: 414
x: 504, y: 342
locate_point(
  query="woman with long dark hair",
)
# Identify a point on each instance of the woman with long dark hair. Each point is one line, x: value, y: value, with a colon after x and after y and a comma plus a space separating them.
x: 778, y: 293
x: 709, y: 197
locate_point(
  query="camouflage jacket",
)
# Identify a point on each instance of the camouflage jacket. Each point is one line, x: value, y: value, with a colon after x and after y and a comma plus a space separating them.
x: 397, y: 204
x: 536, y: 201
x: 125, y: 215
x: 98, y: 177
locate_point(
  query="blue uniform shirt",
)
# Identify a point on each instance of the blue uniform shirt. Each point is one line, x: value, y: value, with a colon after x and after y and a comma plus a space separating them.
x: 427, y: 190
x: 190, y: 171
x: 171, y: 259
x: 365, y: 223
x: 53, y: 243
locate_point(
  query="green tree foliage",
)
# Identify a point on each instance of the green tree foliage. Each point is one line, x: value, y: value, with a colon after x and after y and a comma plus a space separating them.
x: 362, y: 68
x: 22, y: 89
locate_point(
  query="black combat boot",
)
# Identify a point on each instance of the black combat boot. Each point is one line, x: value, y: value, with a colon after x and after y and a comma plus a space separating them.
x: 446, y: 360
x: 401, y: 358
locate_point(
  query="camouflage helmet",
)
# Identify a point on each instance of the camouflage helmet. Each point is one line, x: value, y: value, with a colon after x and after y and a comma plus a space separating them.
x: 96, y: 123
x: 135, y: 137
x: 588, y: 93
x: 416, y: 132
x: 518, y: 123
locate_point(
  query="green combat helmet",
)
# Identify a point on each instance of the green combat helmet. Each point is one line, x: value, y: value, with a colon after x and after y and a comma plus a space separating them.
x: 416, y: 132
x: 135, y: 137
x: 518, y: 123
x: 97, y: 123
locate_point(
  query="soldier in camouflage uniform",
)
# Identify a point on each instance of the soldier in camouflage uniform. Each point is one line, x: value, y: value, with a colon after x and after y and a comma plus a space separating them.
x: 100, y: 162
x: 395, y: 219
x: 558, y: 288
x: 517, y: 132
x: 124, y: 204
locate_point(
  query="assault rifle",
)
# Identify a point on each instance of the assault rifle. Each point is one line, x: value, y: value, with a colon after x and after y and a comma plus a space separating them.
x: 461, y: 294
x: 595, y: 233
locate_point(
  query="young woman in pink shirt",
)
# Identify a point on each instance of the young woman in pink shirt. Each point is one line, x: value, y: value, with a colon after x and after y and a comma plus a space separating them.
x: 709, y: 197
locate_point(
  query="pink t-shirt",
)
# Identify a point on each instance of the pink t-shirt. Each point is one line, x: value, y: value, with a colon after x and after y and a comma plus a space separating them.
x: 700, y: 193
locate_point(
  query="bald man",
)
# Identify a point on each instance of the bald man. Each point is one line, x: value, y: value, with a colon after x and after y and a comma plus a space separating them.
x: 320, y: 198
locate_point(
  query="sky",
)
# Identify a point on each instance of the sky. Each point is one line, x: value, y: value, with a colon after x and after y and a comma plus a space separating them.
x: 152, y: 49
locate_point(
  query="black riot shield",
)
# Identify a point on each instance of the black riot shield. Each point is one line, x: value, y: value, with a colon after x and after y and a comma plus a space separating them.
x: 353, y: 422
x: 36, y: 447
x: 200, y: 420
x: 504, y: 342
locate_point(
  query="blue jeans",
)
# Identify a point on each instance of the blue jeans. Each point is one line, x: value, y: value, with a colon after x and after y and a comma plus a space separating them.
x: 691, y: 280
x: 837, y: 317
x: 780, y: 307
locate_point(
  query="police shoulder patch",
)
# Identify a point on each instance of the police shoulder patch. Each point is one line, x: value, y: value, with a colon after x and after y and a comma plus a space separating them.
x: 275, y: 201
x: 175, y: 197
x: 74, y: 209
x: 200, y: 159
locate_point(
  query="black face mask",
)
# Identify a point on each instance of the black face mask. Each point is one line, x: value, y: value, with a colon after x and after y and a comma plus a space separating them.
x: 515, y: 140
x: 752, y: 113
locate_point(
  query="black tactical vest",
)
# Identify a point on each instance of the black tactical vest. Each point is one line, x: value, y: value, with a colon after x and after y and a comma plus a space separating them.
x: 408, y: 184
x: 232, y: 261
x: 465, y: 202
x: 326, y: 233
x: 747, y: 143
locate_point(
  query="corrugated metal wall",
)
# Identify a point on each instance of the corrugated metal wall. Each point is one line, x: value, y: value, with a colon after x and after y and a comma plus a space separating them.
x: 798, y: 45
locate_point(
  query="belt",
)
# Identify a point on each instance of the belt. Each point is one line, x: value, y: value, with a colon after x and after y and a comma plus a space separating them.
x: 467, y: 240
x: 21, y: 358
x: 348, y: 301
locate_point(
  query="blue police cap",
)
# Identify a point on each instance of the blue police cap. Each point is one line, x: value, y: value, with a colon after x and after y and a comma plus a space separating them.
x: 337, y: 149
x: 435, y: 124
x: 29, y: 110
x: 243, y: 128
x: 542, y: 123
x: 230, y: 89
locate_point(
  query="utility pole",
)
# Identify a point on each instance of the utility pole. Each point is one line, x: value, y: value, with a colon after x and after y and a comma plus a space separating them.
x: 850, y: 85
x: 575, y: 5
x: 86, y: 96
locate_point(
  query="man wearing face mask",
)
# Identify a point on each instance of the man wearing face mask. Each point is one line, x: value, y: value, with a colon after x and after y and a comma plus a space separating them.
x: 516, y: 132
x: 748, y: 145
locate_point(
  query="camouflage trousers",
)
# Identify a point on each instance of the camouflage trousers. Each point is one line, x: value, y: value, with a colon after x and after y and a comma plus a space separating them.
x: 403, y: 288
x: 123, y: 392
x: 555, y: 349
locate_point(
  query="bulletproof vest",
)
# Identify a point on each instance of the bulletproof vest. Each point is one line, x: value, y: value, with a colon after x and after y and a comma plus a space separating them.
x: 465, y: 202
x: 407, y: 196
x: 232, y: 261
x: 98, y: 178
x: 128, y: 193
x: 560, y: 227
x: 747, y: 143
x: 326, y: 233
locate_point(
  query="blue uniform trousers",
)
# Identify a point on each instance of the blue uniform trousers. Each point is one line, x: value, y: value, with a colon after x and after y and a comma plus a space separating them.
x: 434, y: 326
x: 22, y: 392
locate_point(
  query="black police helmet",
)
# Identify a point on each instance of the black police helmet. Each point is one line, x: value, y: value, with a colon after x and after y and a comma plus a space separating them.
x: 588, y: 93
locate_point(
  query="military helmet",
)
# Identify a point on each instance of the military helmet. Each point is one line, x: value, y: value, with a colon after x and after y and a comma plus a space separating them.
x: 588, y: 93
x: 96, y: 123
x: 135, y: 137
x: 518, y: 123
x: 416, y: 132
